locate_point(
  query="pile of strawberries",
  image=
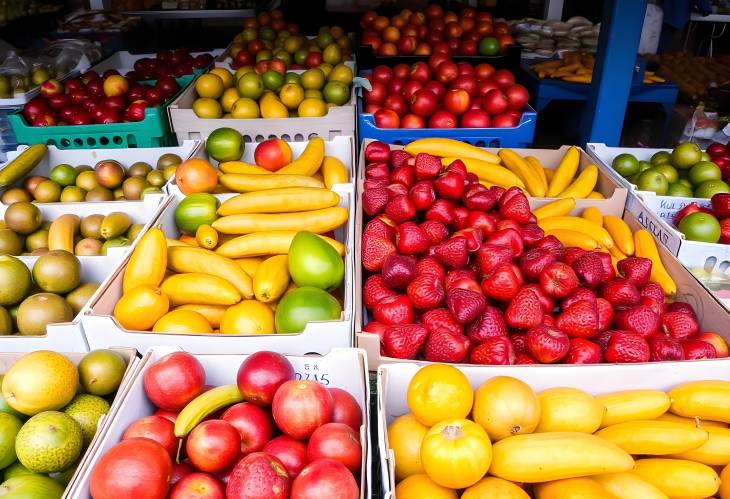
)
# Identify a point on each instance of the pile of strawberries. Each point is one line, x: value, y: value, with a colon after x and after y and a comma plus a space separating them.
x: 459, y: 272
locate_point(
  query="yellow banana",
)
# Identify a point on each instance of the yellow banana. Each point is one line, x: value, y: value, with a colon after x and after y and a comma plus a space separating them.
x: 206, y: 236
x: 594, y: 215
x: 62, y: 231
x: 249, y: 265
x: 702, y: 399
x: 645, y: 246
x: 203, y: 405
x: 519, y: 166
x: 633, y: 405
x: 486, y: 184
x: 571, y: 488
x: 549, y: 174
x: 148, y: 262
x: 714, y: 452
x: 241, y: 167
x: 696, y: 422
x: 175, y: 242
x: 557, y: 208
x: 573, y: 238
x: 275, y: 242
x: 539, y: 170
x: 450, y: 148
x: 583, y: 183
x: 282, y: 200
x: 491, y: 172
x: 212, y: 313
x: 679, y: 478
x: 317, y: 221
x: 308, y: 162
x: 616, y: 253
x: 564, y: 173
x: 203, y: 289
x: 654, y: 437
x: 240, y: 182
x: 578, y: 224
x: 333, y: 172
x: 627, y: 485
x: 621, y: 234
x: 272, y: 278
x: 203, y: 261
x: 595, y: 195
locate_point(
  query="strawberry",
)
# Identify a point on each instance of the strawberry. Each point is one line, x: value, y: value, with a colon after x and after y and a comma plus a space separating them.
x: 403, y: 175
x: 620, y: 293
x: 465, y: 305
x: 398, y: 157
x: 473, y: 238
x: 380, y: 227
x: 453, y: 252
x: 626, y: 347
x: 400, y: 209
x: 411, y: 239
x: 493, y: 351
x: 608, y: 270
x: 377, y: 171
x: 557, y: 279
x: 427, y: 166
x: 589, y: 269
x: 374, y: 251
x: 548, y: 320
x: 375, y: 328
x: 532, y: 233
x: 603, y: 338
x: 519, y: 342
x: 579, y: 320
x: 524, y: 311
x: 404, y: 341
x: 525, y: 358
x: 502, y: 284
x: 498, y: 191
x: 375, y: 290
x: 516, y: 207
x: 441, y: 210
x: 485, y: 222
x: 724, y: 231
x: 488, y: 325
x: 426, y: 291
x: 394, y: 310
x: 430, y: 265
x: 680, y: 306
x: 378, y: 183
x: 460, y: 216
x: 480, y: 200
x: 377, y: 151
x: 474, y: 187
x: 509, y: 193
x: 546, y: 302
x: 654, y: 291
x: 444, y: 346
x: 422, y: 195
x: 534, y: 261
x: 453, y: 276
x: 572, y: 254
x: 636, y: 270
x: 396, y: 190
x: 663, y: 348
x: 398, y: 270
x: 605, y: 314
x: 449, y: 185
x: 548, y: 345
x: 640, y: 319
x: 577, y: 295
x: 658, y: 309
x: 490, y: 256
x: 508, y: 237
x: 679, y: 326
x: 436, y: 231
x: 510, y: 224
x: 441, y: 318
x: 457, y: 166
x: 553, y: 245
x: 698, y: 349
x: 583, y: 351
x: 374, y: 200
x: 721, y: 205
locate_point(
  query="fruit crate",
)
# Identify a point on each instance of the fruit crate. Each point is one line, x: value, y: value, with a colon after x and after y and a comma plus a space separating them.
x: 344, y: 368
x: 20, y: 99
x: 123, y: 61
x: 101, y: 328
x: 596, y: 379
x: 367, y: 59
x: 152, y: 131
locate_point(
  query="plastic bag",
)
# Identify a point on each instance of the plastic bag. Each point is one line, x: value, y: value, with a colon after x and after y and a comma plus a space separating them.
x: 14, y: 76
x: 702, y: 126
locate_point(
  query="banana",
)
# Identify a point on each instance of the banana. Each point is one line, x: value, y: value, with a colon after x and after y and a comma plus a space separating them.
x: 241, y: 167
x: 175, y: 242
x: 491, y: 172
x: 115, y: 224
x: 564, y: 173
x: 621, y: 234
x: 22, y: 165
x: 542, y: 457
x: 571, y: 488
x: 62, y: 231
x: 678, y: 477
x: 627, y: 485
x: 714, y: 452
x: 148, y: 261
x: 616, y: 253
x: 241, y: 182
x: 275, y: 242
x: 308, y: 162
x: 206, y: 236
x: 203, y: 261
x: 272, y: 278
x: 249, y: 265
x: 283, y: 200
x: 573, y: 238
x: 653, y: 437
x: 188, y: 240
x: 450, y: 148
x: 203, y: 289
x: 645, y: 247
x: 203, y: 405
x: 583, y: 183
x: 594, y: 215
x: 317, y: 221
x: 578, y: 224
x: 696, y: 422
x: 549, y: 174
x: 519, y: 167
x: 702, y: 399
x: 212, y: 313
x: 633, y: 405
x: 539, y: 170
x: 557, y: 208
x: 333, y: 172
x: 595, y: 195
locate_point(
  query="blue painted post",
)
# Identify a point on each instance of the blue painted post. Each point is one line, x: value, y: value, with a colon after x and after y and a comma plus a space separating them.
x: 618, y: 42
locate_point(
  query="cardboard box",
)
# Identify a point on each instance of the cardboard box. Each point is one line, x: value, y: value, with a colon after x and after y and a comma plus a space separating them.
x: 341, y: 368
x: 101, y: 328
x: 596, y: 379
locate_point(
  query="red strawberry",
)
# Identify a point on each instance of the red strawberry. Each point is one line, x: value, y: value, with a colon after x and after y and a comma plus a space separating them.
x: 375, y: 290
x: 471, y: 188
x: 490, y: 256
x: 499, y: 191
x: 583, y: 351
x: 654, y: 291
x: 636, y: 270
x: 553, y: 245
x: 394, y: 310
x: 548, y: 345
x: 426, y: 292
x: 422, y: 195
x: 508, y: 237
x: 658, y: 309
x: 430, y: 265
x: 435, y: 230
x: 620, y: 293
x: 577, y: 295
x: 627, y: 347
x: 427, y: 166
x: 546, y: 302
x: 380, y: 227
x: 698, y: 349
x: 453, y: 252
x: 374, y: 200
x: 603, y: 338
x: 680, y: 306
x: 531, y: 234
x: 460, y: 216
x: 444, y: 346
x: 441, y: 318
x: 403, y: 175
x: 605, y: 314
x: 721, y: 205
x: 457, y: 166
x: 465, y: 305
x: 449, y: 185
x: 473, y: 238
x: 502, y: 284
x: 377, y: 171
x: 641, y: 320
x: 441, y: 210
x: 533, y: 262
x: 679, y: 326
x: 377, y: 151
x: 558, y: 280
x: 398, y: 157
x: 510, y: 224
x: 485, y: 222
x: 488, y: 325
x: 572, y: 254
x: 400, y: 209
x: 524, y: 311
x: 548, y: 320
x: 453, y: 276
x: 724, y: 231
x: 525, y: 358
x: 480, y: 200
x: 404, y: 341
x: 579, y: 320
x: 378, y: 183
x: 608, y: 270
x: 375, y: 328
x: 396, y: 190
x: 509, y: 193
x: 519, y: 342
x: 374, y: 251
x: 398, y: 270
x: 411, y: 239
x: 663, y: 348
x: 589, y: 269
x: 493, y: 351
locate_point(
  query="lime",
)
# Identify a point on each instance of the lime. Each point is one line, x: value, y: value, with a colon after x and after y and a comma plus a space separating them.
x: 644, y: 165
x: 710, y: 188
x: 680, y: 190
x: 64, y: 174
x: 685, y: 155
x: 700, y: 226
x: 703, y: 171
x: 634, y: 178
x: 225, y: 144
x: 332, y: 54
x: 336, y: 92
x: 313, y: 79
x: 667, y: 170
x: 292, y: 78
x: 325, y: 39
x: 267, y: 33
x: 625, y: 165
x: 654, y: 181
x: 489, y: 46
x: 250, y: 85
x: 705, y: 157
x: 300, y: 56
x: 660, y: 157
x: 272, y: 80
x: 685, y: 182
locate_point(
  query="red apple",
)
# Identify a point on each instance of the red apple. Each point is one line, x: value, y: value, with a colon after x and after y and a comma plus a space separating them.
x: 117, y: 103
x: 505, y: 41
x: 485, y: 86
x: 79, y: 96
x: 441, y: 47
x: 244, y: 58
x: 300, y: 407
x: 377, y: 93
x: 505, y: 120
x: 397, y: 103
x: 59, y: 101
x: 468, y: 47
x: 442, y: 119
x: 371, y: 108
x: 115, y: 84
x: 259, y: 476
x: 475, y: 118
x: 716, y: 149
x: 412, y: 121
x: 34, y: 107
x: 174, y: 380
x: 395, y: 86
x: 253, y: 424
x: 407, y: 45
x: 517, y: 97
x: 438, y: 88
x: 198, y: 486
x: 261, y: 375
x: 468, y: 83
x: 456, y: 101
x: 90, y: 76
x: 153, y: 95
x: 424, y: 103
x: 292, y: 453
x: 179, y: 471
x: 494, y: 102
x: 325, y: 478
x: 503, y: 78
x: 51, y: 87
x: 372, y: 39
x: 410, y: 88
x: 169, y: 415
x: 386, y: 118
x: 420, y: 72
x: 401, y: 71
x: 109, y: 72
x: 81, y: 118
x: 155, y: 428
x: 213, y: 446
x: 136, y: 110
x: 336, y: 441
x: 716, y: 341
x: 436, y: 59
x: 67, y: 113
x: 73, y: 84
x: 346, y: 409
x: 168, y: 86
x: 446, y: 72
x: 484, y: 71
x: 43, y: 120
x: 382, y: 74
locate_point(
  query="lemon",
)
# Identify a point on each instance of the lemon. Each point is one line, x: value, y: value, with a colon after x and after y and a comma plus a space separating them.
x: 245, y: 108
x: 291, y: 95
x: 207, y: 108
x: 243, y: 70
x: 312, y: 108
x: 225, y: 76
x: 228, y: 98
x: 313, y: 94
x: 341, y: 73
x: 313, y: 79
x: 209, y: 85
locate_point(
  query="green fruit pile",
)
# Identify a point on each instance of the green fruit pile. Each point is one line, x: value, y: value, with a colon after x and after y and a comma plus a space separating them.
x: 686, y: 171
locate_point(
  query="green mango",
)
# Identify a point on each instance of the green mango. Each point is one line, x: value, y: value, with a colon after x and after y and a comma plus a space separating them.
x: 303, y: 305
x: 313, y: 262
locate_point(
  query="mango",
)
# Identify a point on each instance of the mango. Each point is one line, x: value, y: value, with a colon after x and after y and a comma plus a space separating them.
x: 313, y: 262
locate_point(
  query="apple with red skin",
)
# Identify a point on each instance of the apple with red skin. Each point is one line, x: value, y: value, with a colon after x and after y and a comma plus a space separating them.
x: 313, y: 60
x: 67, y: 113
x: 51, y: 87
x: 260, y: 376
x: 420, y: 72
x: 503, y: 78
x: 79, y: 96
x: 441, y: 47
x: 174, y: 380
x: 243, y: 58
x: 424, y: 103
x: 136, y: 110
x: 117, y: 103
x: 485, y: 86
x: 346, y: 410
x: 109, y: 72
x: 168, y: 86
x: 376, y: 94
x: 253, y: 424
x: 517, y: 97
x: 457, y: 101
x: 292, y: 453
x: 386, y: 118
x: 395, y: 86
x: 336, y: 441
x: 372, y: 39
x: 401, y: 71
x: 442, y: 119
x: 58, y: 102
x: 300, y: 407
x: 447, y: 72
x: 34, y: 107
x: 382, y: 74
x: 81, y: 118
x: 169, y: 415
x: 95, y: 88
x: 484, y: 71
x: 717, y: 341
x: 495, y: 102
x: 453, y: 44
x: 198, y: 486
x: 407, y: 45
x: 371, y: 108
x: 73, y: 84
x: 410, y: 88
x: 438, y: 88
x: 179, y: 471
x: 259, y: 476
x: 90, y: 76
x: 325, y: 478
x: 505, y: 120
x: 202, y: 61
x: 397, y: 103
x: 153, y: 95
x: 436, y: 59
x: 136, y: 92
x: 156, y: 428
x: 412, y: 121
x: 43, y: 120
x: 213, y: 446
x: 466, y: 82
x: 468, y: 47
x: 475, y: 118
x: 715, y: 149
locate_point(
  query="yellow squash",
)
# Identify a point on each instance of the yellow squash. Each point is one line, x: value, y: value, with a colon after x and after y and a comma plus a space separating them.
x: 450, y: 148
x: 283, y: 200
x: 317, y: 221
x: 203, y: 289
x: 595, y: 195
x: 572, y: 488
x: 593, y: 214
x: 206, y: 236
x: 492, y: 487
x: 564, y: 173
x: 212, y: 313
x: 22, y: 165
x: 569, y: 409
x: 148, y: 261
x: 62, y: 231
x: 242, y: 182
x: 333, y: 172
x: 679, y: 478
x: 275, y: 242
x: 519, y: 166
x: 696, y: 422
x: 645, y: 247
x: 714, y: 452
x: 557, y: 208
x: 241, y: 167
x: 654, y: 437
x: 628, y: 485
x: 702, y: 399
x: 621, y: 234
x: 272, y: 278
x: 308, y: 162
x: 583, y: 184
x: 198, y: 260
x: 249, y: 265
x: 633, y: 405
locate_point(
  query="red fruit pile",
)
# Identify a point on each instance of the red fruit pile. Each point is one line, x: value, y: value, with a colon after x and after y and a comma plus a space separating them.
x: 720, y: 210
x: 720, y: 154
x: 459, y: 272
x: 444, y: 94
x: 289, y: 438
x: 177, y: 62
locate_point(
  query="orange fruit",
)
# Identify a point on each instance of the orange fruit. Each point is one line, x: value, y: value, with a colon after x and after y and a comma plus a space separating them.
x: 140, y: 308
x: 182, y: 322
x: 196, y: 175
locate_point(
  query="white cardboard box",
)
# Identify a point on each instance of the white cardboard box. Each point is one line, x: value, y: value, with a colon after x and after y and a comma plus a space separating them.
x: 342, y: 368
